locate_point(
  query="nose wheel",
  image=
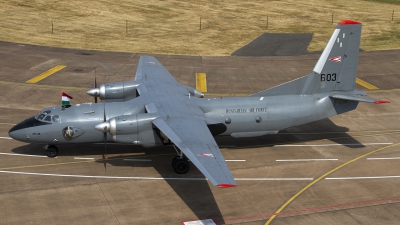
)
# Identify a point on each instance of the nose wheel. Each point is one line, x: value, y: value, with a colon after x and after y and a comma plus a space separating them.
x: 180, y: 163
x: 51, y: 151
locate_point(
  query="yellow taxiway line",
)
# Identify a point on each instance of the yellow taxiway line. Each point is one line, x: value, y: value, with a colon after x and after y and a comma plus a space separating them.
x: 42, y: 85
x: 201, y: 82
x: 45, y: 74
x: 366, y: 84
x: 322, y: 177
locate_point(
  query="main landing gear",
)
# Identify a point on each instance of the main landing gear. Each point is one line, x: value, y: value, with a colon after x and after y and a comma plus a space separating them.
x: 180, y: 163
x: 51, y: 151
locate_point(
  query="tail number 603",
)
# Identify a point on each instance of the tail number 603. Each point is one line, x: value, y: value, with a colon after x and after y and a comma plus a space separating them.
x: 328, y: 77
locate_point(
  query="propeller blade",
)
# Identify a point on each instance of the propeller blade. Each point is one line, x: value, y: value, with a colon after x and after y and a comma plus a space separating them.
x: 105, y: 148
x: 105, y: 138
x: 95, y: 84
x: 104, y: 104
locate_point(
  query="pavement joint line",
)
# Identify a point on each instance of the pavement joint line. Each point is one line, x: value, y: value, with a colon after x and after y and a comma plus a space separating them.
x: 366, y: 84
x: 45, y: 74
x: 330, y: 145
x: 75, y: 162
x: 390, y: 132
x: 137, y: 160
x: 277, y: 212
x: 149, y: 178
x: 207, y: 95
x: 361, y: 178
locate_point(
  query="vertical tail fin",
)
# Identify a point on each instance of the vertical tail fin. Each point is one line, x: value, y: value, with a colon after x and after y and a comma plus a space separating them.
x: 336, y: 68
x: 337, y: 65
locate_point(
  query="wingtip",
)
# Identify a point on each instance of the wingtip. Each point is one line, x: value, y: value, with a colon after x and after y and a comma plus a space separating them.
x: 381, y: 102
x: 348, y: 22
x: 226, y: 185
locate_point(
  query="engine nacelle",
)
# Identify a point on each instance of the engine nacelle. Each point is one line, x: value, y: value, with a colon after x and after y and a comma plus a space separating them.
x: 134, y: 129
x: 116, y: 91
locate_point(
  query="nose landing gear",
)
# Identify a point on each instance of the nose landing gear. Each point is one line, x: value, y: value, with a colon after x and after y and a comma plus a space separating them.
x: 180, y: 163
x: 51, y: 151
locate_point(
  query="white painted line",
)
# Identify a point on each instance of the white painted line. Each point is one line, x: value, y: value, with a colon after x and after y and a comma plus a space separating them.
x: 360, y: 178
x: 328, y: 145
x: 84, y: 158
x: 2, y: 153
x: 303, y: 160
x: 235, y: 160
x: 138, y: 160
x: 8, y: 138
x: 271, y: 179
x: 383, y: 158
x: 150, y: 178
x: 200, y: 222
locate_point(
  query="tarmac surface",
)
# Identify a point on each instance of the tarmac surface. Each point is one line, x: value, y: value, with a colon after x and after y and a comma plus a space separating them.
x: 269, y: 44
x: 342, y: 170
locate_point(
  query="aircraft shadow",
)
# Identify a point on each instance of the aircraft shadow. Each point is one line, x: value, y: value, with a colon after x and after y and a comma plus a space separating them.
x: 196, y: 194
x: 319, y: 130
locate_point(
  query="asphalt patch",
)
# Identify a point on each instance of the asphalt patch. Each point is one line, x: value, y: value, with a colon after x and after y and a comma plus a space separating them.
x: 269, y: 44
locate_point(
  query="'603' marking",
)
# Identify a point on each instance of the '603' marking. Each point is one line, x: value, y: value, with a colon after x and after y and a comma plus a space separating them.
x: 328, y: 77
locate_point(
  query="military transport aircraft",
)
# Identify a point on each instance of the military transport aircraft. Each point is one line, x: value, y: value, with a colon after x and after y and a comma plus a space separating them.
x: 155, y: 110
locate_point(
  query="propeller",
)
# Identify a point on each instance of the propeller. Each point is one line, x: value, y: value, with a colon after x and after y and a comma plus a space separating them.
x: 95, y: 92
x: 95, y: 85
x: 105, y: 130
x: 104, y: 127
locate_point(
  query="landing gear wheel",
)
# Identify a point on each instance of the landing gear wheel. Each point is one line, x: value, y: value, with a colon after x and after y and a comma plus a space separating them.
x: 180, y: 165
x: 174, y: 160
x: 52, y: 151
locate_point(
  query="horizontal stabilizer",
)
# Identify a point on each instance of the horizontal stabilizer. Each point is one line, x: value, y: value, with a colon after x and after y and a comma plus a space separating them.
x: 358, y: 98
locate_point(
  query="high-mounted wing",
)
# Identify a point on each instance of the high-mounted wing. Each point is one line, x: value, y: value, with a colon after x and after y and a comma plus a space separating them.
x: 194, y: 139
x: 149, y: 68
x: 182, y: 122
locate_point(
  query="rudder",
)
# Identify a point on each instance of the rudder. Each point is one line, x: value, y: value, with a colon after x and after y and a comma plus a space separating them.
x: 335, y: 70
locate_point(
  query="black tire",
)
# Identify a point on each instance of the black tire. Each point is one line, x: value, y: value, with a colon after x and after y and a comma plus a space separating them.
x: 52, y: 151
x: 181, y: 166
x: 174, y: 160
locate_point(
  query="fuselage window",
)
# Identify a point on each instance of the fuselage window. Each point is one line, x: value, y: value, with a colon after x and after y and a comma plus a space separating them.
x: 56, y: 119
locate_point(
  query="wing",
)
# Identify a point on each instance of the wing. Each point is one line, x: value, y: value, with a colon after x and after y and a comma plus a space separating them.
x: 194, y: 139
x: 149, y: 68
x: 181, y: 120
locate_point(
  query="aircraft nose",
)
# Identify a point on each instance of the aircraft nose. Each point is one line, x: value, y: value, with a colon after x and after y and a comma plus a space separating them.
x: 18, y: 131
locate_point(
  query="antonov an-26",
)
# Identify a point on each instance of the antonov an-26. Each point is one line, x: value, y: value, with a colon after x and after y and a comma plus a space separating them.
x: 155, y: 110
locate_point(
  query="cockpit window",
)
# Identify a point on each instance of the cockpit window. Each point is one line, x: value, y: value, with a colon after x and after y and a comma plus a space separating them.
x: 47, y: 119
x: 43, y: 116
x: 56, y: 119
